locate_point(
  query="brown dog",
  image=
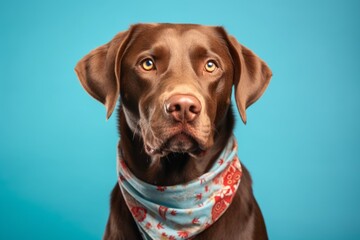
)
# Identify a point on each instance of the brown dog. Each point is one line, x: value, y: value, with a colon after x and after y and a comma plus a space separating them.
x: 175, y: 83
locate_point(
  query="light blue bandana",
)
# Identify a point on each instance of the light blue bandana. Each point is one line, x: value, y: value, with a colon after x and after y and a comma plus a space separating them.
x: 182, y: 211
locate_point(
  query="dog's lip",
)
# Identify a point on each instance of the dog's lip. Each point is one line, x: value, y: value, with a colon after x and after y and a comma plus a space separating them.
x: 196, y: 150
x: 182, y: 138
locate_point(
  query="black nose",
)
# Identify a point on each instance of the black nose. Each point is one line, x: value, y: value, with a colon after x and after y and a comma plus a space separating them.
x: 183, y: 108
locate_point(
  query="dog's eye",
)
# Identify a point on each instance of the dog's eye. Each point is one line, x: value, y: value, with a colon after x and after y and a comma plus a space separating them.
x: 148, y: 64
x: 210, y: 66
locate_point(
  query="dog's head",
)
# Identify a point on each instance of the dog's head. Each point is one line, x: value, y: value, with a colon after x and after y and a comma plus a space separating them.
x: 174, y: 81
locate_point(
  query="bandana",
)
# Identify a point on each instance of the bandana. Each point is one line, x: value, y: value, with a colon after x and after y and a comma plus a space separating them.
x: 182, y: 211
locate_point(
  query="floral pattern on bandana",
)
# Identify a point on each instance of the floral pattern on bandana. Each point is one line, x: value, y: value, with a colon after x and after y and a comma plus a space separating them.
x: 182, y: 211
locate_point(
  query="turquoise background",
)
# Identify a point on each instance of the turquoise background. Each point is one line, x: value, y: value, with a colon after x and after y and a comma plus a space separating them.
x: 301, y: 143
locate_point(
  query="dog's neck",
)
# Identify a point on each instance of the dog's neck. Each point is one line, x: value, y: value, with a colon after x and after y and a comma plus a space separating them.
x: 174, y: 168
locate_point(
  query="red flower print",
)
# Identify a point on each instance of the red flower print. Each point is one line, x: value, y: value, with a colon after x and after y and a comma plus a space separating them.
x: 122, y: 178
x: 218, y: 208
x: 216, y: 180
x: 148, y: 225
x: 206, y: 188
x: 183, y: 234
x: 198, y: 196
x: 173, y: 212
x: 172, y: 238
x: 160, y: 226
x: 161, y: 188
x: 232, y: 177
x: 139, y: 213
x: 221, y: 161
x: 195, y: 221
x: 164, y: 236
x: 162, y: 212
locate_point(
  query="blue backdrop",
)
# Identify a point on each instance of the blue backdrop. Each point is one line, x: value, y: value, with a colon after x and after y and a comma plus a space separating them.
x: 301, y: 143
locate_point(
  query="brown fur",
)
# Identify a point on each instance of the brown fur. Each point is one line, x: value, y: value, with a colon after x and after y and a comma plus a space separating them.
x: 165, y: 150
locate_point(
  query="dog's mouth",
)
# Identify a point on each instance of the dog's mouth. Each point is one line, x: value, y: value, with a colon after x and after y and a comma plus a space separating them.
x: 181, y: 142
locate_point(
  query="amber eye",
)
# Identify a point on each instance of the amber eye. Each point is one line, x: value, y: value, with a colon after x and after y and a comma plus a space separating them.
x: 148, y: 64
x: 210, y: 66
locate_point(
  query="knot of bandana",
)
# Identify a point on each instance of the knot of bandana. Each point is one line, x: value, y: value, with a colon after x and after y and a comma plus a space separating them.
x: 182, y: 211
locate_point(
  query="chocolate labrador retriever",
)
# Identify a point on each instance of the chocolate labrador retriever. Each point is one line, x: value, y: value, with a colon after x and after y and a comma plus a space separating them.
x: 179, y: 176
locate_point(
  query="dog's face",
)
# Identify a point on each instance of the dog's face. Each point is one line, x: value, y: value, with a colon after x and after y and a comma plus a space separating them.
x: 175, y: 82
x: 176, y: 85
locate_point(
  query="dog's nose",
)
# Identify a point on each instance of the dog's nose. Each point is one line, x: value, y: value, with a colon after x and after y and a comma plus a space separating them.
x: 183, y: 107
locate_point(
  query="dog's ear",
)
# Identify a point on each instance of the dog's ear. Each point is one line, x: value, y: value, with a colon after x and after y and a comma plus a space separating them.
x: 251, y: 76
x: 99, y: 71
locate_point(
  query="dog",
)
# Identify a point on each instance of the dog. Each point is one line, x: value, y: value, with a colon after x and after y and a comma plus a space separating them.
x: 175, y: 121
